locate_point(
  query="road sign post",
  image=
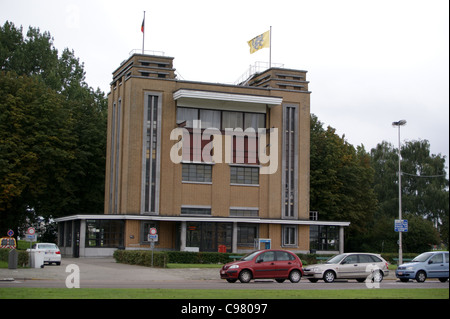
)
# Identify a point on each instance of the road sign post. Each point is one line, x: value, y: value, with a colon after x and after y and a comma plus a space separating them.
x: 152, y: 238
x: 31, y: 237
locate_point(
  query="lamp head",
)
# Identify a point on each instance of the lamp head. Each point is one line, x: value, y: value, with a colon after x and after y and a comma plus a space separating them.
x: 399, y: 123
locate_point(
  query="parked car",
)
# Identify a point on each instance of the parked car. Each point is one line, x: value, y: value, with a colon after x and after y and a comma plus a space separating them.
x: 359, y: 266
x: 264, y: 264
x: 432, y: 264
x: 51, y: 251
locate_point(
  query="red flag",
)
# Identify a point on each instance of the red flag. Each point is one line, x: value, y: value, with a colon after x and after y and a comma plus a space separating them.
x: 142, y: 26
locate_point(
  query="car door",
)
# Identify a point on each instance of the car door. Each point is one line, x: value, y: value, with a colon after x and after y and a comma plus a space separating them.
x: 283, y: 264
x: 264, y: 266
x: 446, y: 271
x: 350, y: 268
x: 368, y: 264
x: 436, y: 266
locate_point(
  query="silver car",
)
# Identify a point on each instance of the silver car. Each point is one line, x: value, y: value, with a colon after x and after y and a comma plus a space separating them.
x: 359, y: 266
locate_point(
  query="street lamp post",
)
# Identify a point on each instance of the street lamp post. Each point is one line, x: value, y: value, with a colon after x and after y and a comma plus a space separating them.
x: 400, y: 248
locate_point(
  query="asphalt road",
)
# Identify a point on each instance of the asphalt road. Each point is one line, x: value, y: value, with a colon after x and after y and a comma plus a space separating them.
x: 106, y: 273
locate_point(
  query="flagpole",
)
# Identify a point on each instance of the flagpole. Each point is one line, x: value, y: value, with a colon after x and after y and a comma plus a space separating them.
x: 270, y: 48
x: 143, y: 33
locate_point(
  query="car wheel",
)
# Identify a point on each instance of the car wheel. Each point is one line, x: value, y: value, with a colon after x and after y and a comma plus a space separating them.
x: 295, y: 276
x: 245, y: 276
x: 443, y: 279
x: 329, y: 276
x: 421, y: 276
x: 377, y: 276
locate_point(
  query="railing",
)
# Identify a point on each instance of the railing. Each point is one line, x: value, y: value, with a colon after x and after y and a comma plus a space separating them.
x: 147, y: 52
x: 258, y: 67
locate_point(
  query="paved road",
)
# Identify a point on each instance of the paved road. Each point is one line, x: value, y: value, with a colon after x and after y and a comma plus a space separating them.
x: 106, y: 273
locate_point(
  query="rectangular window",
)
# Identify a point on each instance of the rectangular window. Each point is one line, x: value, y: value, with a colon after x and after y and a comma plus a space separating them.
x: 289, y: 161
x: 232, y: 120
x: 104, y: 233
x: 195, y: 211
x: 197, y: 173
x: 247, y: 233
x: 186, y: 116
x: 244, y: 175
x: 209, y: 236
x: 254, y: 120
x: 289, y: 235
x: 322, y: 237
x: 210, y: 119
x: 244, y: 144
x: 244, y: 212
x: 152, y: 133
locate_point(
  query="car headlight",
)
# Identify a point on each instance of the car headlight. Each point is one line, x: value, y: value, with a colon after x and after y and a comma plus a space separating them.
x: 316, y: 269
x: 234, y: 266
x: 409, y: 268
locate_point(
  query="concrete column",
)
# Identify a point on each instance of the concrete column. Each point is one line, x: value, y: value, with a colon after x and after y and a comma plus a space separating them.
x: 183, y: 236
x: 341, y: 239
x: 82, y: 237
x: 235, y: 238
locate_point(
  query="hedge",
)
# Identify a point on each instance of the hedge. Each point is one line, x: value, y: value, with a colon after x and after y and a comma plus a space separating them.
x: 141, y: 257
x: 22, y: 258
x: 162, y: 258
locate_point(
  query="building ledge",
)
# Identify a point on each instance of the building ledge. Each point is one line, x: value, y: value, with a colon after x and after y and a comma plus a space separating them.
x: 185, y: 97
x: 204, y: 219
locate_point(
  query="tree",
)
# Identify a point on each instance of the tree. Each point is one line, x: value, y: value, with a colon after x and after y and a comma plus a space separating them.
x: 36, y: 145
x: 341, y: 181
x: 424, y: 195
x: 52, y: 131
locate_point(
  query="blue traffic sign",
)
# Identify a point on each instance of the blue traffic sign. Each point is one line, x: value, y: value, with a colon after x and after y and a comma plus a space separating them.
x: 401, y: 225
x: 10, y: 233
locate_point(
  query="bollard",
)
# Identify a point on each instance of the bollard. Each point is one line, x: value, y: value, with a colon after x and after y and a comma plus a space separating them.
x: 13, y: 257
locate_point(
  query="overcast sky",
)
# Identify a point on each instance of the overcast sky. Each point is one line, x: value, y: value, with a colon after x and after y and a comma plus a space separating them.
x: 369, y: 62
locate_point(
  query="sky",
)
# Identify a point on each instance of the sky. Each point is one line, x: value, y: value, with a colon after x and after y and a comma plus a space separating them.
x: 369, y: 63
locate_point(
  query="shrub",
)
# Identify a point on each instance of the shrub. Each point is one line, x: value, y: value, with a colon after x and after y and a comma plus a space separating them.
x: 160, y: 259
x: 141, y: 257
x: 23, y: 256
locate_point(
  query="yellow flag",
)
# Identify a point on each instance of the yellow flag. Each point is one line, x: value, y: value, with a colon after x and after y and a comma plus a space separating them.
x: 259, y: 42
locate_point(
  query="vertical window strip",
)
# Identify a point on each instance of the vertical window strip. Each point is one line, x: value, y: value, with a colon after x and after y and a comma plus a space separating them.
x: 289, y: 162
x: 117, y: 158
x: 151, y: 154
x: 111, y: 159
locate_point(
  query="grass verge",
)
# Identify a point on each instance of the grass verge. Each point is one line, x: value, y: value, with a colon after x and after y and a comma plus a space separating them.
x: 98, y: 293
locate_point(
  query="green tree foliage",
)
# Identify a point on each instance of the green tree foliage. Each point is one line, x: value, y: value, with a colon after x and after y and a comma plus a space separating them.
x: 341, y: 181
x: 52, y: 131
x: 424, y: 197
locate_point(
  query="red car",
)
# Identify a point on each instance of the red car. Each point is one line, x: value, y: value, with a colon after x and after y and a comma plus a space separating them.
x: 264, y: 264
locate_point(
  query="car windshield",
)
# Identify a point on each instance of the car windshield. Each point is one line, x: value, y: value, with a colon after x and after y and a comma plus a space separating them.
x: 422, y: 257
x: 335, y: 259
x: 250, y: 256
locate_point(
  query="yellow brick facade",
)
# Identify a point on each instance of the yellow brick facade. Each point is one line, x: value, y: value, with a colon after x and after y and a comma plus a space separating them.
x: 145, y: 187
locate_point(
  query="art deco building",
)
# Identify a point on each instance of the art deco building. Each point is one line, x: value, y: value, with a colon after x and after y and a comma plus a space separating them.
x: 212, y: 167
